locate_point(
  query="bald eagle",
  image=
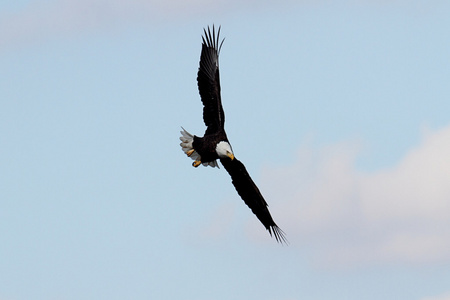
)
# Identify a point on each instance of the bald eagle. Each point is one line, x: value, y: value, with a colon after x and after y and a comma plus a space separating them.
x: 214, y: 144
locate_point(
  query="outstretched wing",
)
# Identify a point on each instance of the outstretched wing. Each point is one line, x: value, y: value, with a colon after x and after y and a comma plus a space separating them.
x: 209, y: 83
x: 251, y: 195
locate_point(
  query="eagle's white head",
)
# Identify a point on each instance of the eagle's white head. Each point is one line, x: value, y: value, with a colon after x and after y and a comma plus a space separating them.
x: 223, y: 150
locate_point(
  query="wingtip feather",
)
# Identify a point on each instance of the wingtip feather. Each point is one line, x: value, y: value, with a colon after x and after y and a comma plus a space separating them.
x: 279, y: 235
x: 212, y: 39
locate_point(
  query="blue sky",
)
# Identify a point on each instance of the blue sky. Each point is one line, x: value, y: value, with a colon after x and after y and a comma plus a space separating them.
x: 339, y: 110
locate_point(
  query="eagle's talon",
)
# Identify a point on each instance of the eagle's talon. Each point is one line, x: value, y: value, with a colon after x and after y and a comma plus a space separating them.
x: 196, y: 163
x: 189, y: 153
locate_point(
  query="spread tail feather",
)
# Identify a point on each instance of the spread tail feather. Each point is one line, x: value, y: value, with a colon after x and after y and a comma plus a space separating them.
x: 187, y: 139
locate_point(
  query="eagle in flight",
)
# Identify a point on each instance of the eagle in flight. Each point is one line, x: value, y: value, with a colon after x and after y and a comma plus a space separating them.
x: 214, y: 144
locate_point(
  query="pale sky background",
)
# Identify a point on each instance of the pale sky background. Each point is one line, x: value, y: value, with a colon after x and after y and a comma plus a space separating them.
x: 339, y: 109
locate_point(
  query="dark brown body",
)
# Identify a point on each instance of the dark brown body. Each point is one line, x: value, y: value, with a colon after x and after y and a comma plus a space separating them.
x: 206, y: 146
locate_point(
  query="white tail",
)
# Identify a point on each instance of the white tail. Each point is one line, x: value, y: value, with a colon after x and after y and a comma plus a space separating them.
x: 186, y: 145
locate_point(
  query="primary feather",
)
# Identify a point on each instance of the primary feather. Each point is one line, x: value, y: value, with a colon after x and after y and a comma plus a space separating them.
x: 208, y: 81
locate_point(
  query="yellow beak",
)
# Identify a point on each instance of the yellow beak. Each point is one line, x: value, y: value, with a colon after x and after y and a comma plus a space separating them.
x: 230, y: 155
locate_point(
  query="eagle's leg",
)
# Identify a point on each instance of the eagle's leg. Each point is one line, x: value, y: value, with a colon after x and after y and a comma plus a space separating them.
x: 196, y: 163
x: 189, y: 153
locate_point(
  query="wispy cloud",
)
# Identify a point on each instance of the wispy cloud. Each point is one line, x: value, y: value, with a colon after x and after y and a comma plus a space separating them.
x: 46, y: 19
x: 41, y: 20
x: 349, y: 217
x: 445, y: 296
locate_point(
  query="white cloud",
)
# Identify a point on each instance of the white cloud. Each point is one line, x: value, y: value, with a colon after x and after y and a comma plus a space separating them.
x: 46, y: 19
x: 445, y: 296
x: 345, y: 216
x: 41, y: 20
